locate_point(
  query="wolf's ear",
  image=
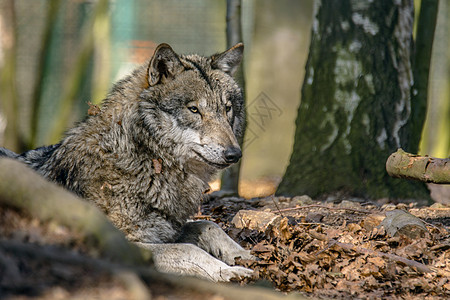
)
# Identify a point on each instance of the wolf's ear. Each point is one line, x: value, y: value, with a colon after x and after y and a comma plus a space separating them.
x: 229, y: 60
x: 164, y: 65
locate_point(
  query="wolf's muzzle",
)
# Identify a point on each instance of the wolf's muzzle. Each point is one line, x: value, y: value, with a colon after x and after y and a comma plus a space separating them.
x: 232, y: 155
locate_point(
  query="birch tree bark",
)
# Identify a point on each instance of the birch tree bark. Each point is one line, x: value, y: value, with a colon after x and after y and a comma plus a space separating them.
x: 356, y: 102
x: 424, y: 168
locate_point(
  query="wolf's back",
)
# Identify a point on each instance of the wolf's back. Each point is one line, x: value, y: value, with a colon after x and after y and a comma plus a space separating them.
x: 8, y: 153
x: 34, y: 158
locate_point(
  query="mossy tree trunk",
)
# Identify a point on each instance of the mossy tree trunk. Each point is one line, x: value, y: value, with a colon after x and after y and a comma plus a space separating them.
x: 356, y: 102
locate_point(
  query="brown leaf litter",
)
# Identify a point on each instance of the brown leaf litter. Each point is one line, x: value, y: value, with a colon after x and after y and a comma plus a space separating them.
x: 341, y: 250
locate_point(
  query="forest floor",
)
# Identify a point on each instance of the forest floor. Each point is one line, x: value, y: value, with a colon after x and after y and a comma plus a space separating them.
x: 332, y: 249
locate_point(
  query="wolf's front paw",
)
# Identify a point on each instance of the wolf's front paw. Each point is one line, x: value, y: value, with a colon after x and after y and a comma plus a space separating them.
x: 225, y: 274
x: 230, y: 256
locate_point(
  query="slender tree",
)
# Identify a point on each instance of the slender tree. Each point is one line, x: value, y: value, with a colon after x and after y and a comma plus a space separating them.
x: 421, y: 62
x: 230, y: 177
x: 43, y: 68
x: 356, y: 102
x: 73, y: 82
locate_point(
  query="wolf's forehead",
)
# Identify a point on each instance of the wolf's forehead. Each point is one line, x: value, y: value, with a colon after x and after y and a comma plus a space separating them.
x: 202, y: 65
x: 214, y: 81
x: 195, y: 58
x: 196, y: 62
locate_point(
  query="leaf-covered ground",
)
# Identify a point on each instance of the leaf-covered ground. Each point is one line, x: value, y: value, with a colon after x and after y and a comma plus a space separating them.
x: 339, y: 250
x: 329, y: 249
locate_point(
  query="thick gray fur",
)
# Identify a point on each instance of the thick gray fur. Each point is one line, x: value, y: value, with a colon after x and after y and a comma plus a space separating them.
x: 146, y: 158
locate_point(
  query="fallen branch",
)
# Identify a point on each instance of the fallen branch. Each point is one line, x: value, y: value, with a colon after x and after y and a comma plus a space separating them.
x: 424, y: 168
x: 25, y: 190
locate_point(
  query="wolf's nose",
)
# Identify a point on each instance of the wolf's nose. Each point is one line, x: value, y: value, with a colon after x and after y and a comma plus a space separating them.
x: 232, y: 155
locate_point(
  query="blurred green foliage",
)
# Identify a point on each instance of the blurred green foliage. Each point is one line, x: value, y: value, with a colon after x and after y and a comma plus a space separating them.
x: 50, y: 68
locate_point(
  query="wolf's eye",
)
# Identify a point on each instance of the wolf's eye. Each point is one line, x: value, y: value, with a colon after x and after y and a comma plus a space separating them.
x: 228, y: 108
x: 193, y: 109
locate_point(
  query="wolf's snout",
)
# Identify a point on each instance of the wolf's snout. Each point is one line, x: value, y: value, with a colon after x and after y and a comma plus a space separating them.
x: 232, y: 155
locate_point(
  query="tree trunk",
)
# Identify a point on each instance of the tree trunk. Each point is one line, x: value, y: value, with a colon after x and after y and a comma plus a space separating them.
x: 43, y: 68
x: 74, y: 82
x: 8, y: 95
x: 230, y: 177
x: 356, y: 101
x: 421, y: 61
x: 435, y: 137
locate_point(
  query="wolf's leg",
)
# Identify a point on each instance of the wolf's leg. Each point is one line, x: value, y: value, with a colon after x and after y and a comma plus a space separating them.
x: 188, y: 259
x: 211, y: 238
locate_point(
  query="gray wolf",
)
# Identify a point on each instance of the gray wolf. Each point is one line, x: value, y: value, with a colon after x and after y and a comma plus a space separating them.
x: 146, y: 156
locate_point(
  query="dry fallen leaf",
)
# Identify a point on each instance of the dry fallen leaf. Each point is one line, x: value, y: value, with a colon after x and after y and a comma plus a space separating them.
x: 93, y: 109
x: 284, y: 229
x: 157, y: 164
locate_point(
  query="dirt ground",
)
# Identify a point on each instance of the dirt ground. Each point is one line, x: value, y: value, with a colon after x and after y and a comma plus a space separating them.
x: 335, y: 249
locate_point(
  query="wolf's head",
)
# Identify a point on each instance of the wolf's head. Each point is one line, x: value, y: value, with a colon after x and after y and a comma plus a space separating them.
x: 193, y: 108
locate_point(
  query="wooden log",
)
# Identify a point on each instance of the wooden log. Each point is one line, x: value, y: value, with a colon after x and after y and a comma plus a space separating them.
x: 424, y: 168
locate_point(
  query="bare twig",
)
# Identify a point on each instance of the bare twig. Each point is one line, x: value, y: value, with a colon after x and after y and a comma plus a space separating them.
x: 419, y: 266
x: 362, y: 211
x: 202, y: 217
x: 276, y: 205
